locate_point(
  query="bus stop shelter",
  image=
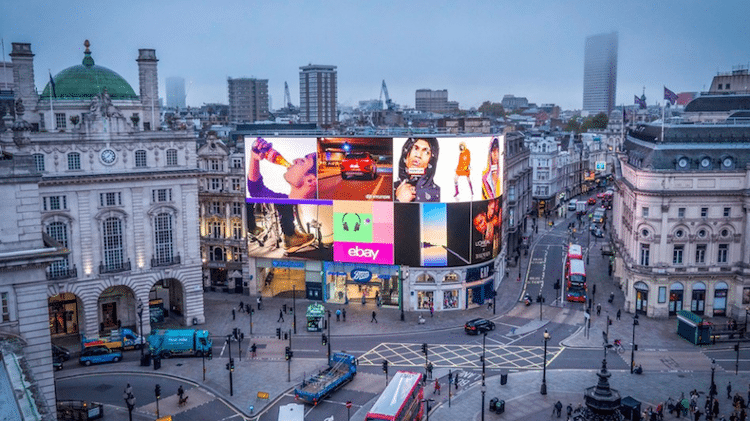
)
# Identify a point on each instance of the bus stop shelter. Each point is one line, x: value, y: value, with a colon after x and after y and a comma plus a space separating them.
x: 693, y: 328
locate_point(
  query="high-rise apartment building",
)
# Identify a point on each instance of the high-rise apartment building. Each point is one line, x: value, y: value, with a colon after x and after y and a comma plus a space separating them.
x: 600, y: 73
x: 318, y: 89
x: 434, y: 101
x: 175, y: 92
x: 248, y: 100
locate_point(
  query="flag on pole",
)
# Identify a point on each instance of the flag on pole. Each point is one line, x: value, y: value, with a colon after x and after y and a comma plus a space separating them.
x: 670, y: 96
x: 52, y: 85
x: 641, y: 103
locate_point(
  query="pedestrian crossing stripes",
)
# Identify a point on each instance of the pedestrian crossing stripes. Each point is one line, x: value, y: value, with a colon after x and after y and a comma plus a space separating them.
x: 460, y: 356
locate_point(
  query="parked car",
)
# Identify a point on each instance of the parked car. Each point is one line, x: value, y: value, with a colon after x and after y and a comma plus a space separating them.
x: 592, y: 200
x: 99, y: 355
x: 477, y: 326
x: 572, y: 205
x: 59, y: 352
x: 359, y: 163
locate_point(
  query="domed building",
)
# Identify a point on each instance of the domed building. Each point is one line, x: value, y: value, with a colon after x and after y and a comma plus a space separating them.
x: 118, y: 197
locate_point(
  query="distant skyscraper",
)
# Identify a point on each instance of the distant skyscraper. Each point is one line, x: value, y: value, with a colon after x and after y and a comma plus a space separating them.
x: 175, y: 92
x: 600, y: 73
x: 248, y: 100
x: 318, y: 88
x: 434, y: 101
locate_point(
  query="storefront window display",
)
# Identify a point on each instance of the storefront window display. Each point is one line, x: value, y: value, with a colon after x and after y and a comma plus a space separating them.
x: 450, y: 278
x: 450, y: 299
x: 280, y: 277
x: 63, y: 314
x: 425, y: 299
x: 357, y: 282
x: 424, y: 278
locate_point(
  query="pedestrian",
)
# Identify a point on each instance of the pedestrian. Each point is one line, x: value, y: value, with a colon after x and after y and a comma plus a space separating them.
x: 281, y: 316
x: 234, y: 316
x: 242, y: 307
x: 338, y: 315
x: 253, y: 350
x: 437, y: 386
x: 247, y: 308
x: 729, y: 390
x: 715, y: 408
x: 598, y: 309
x: 569, y: 410
x: 429, y: 370
x: 518, y: 279
x: 558, y: 408
x: 373, y: 317
x: 455, y: 381
x: 363, y: 299
x: 432, y: 310
x: 619, y: 313
x: 258, y: 301
x: 180, y: 392
x: 343, y: 315
x: 611, y: 297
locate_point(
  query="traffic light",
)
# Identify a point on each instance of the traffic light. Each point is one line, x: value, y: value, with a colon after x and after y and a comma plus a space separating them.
x: 424, y: 348
x: 325, y: 339
x: 737, y: 347
x: 157, y: 391
x: 278, y: 333
x: 287, y: 353
x: 385, y: 366
x: 231, y: 364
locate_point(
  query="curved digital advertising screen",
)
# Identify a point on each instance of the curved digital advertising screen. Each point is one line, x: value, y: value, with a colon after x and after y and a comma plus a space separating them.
x: 416, y: 201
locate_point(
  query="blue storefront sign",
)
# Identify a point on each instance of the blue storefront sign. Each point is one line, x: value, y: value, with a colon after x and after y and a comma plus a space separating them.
x: 481, y: 272
x: 288, y: 264
x: 360, y: 275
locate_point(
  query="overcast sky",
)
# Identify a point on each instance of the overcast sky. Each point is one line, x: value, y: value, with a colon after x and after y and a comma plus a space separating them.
x: 478, y: 50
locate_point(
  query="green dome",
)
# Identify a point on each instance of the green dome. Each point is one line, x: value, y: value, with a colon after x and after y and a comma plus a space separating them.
x: 88, y: 80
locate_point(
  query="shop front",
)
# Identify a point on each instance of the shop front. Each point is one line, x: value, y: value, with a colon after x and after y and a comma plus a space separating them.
x: 361, y: 283
x: 676, y: 293
x: 63, y: 314
x: 480, y: 284
x: 282, y: 278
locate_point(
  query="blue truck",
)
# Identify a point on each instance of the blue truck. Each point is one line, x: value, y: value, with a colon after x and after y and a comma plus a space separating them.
x: 341, y: 370
x: 179, y: 342
x: 117, y: 339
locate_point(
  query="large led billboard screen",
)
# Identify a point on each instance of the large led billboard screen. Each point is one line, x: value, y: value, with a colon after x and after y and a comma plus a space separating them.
x: 420, y: 201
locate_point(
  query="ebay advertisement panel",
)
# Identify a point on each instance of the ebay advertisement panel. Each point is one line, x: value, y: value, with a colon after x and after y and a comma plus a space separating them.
x: 363, y: 231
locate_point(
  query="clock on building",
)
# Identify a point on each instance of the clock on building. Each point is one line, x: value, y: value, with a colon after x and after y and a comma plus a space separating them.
x: 108, y: 156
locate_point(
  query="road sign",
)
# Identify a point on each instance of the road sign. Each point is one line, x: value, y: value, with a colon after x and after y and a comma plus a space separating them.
x: 262, y: 395
x: 348, y: 404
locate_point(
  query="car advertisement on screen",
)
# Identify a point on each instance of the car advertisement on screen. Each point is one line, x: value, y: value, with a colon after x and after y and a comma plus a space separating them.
x: 486, y: 230
x: 446, y: 169
x: 363, y: 232
x: 283, y: 230
x: 355, y: 169
x: 281, y: 170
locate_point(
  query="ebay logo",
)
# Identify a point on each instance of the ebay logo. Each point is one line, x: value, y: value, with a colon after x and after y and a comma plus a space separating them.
x: 363, y: 252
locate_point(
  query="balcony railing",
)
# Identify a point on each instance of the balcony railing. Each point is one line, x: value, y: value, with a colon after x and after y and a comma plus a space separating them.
x: 57, y: 273
x: 114, y: 267
x: 165, y: 261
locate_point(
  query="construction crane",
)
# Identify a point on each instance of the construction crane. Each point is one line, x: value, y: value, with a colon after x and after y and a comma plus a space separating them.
x: 389, y: 105
x: 288, y: 98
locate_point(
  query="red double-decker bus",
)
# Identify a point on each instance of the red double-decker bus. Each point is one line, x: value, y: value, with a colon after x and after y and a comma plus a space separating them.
x: 575, y: 280
x: 401, y: 400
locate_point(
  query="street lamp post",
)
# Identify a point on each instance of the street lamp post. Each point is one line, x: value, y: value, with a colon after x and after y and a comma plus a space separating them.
x: 129, y: 400
x: 632, y: 347
x: 229, y: 365
x: 544, y: 367
x: 541, y: 300
x: 427, y: 407
x: 712, y: 391
x: 140, y: 317
x: 294, y: 308
x: 328, y: 313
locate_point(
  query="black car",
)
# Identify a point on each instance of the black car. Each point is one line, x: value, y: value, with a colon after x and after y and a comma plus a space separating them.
x: 477, y: 326
x: 597, y: 232
x: 60, y: 353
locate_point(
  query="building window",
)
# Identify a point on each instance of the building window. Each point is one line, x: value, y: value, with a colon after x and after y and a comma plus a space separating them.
x: 681, y: 212
x: 171, y: 157
x: 237, y: 163
x: 5, y: 297
x: 236, y: 184
x: 236, y: 254
x: 60, y: 121
x: 727, y: 212
x: 42, y: 122
x: 59, y: 232
x: 645, y: 250
x: 74, y: 161
x: 110, y: 199
x: 723, y: 251
x: 704, y: 212
x: 163, y: 238
x: 700, y: 253
x: 52, y: 203
x: 644, y: 212
x: 140, y: 159
x: 217, y: 184
x: 677, y: 254
x: 217, y: 229
x: 112, y: 243
x: 216, y: 208
x: 215, y: 165
x: 236, y: 209
x: 161, y: 195
x: 236, y: 230
x: 39, y: 162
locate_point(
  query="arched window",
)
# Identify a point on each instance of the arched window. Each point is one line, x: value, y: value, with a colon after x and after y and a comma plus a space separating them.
x: 112, y: 245
x: 641, y: 296
x: 163, y: 248
x: 425, y: 278
x: 58, y: 230
x: 698, y: 299
x: 676, y: 297
x: 720, y: 299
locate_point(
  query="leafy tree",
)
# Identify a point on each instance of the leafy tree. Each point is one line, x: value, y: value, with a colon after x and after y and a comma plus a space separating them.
x: 573, y: 125
x: 492, y: 109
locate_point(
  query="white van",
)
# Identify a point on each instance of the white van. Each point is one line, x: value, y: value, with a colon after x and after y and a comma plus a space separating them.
x: 572, y: 205
x: 292, y: 412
